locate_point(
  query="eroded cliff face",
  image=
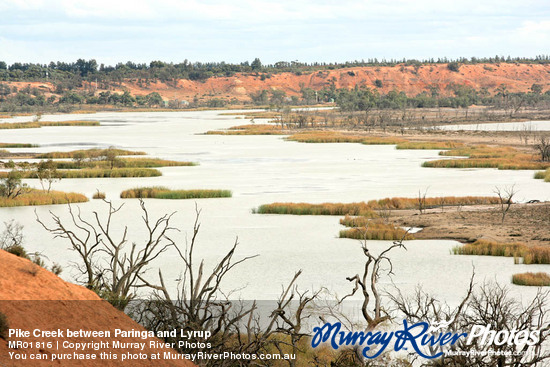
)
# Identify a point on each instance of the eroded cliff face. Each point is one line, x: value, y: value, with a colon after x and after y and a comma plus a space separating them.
x: 410, y: 79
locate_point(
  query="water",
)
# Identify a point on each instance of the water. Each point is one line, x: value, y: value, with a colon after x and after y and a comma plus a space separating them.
x: 527, y: 126
x: 265, y: 169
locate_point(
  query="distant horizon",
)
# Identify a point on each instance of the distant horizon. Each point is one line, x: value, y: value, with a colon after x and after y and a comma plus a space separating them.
x: 366, y: 60
x: 40, y: 31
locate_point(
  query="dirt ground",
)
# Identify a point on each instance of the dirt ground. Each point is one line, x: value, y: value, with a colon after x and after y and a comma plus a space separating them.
x: 526, y: 223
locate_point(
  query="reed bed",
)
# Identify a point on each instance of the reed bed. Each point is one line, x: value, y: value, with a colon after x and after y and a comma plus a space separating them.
x: 368, y: 208
x: 491, y: 248
x: 530, y: 254
x: 532, y: 279
x: 124, y: 162
x: 339, y: 137
x: 359, y: 209
x: 97, y: 173
x: 159, y: 192
x: 412, y: 203
x: 543, y: 175
x: 87, y: 154
x: 39, y: 124
x: 376, y: 231
x: 482, y: 156
x: 17, y: 145
x: 38, y: 197
x: 252, y: 129
x: 435, y: 145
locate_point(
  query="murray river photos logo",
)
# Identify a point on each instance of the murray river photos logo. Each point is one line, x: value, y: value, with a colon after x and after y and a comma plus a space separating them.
x: 420, y: 337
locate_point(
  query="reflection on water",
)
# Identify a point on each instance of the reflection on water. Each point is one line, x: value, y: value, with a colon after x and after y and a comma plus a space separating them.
x: 264, y: 169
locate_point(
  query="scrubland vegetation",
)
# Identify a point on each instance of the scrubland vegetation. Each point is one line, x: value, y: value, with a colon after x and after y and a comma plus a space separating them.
x: 362, y: 228
x: 88, y: 154
x: 95, y: 173
x: 17, y: 145
x: 252, y: 129
x: 160, y: 192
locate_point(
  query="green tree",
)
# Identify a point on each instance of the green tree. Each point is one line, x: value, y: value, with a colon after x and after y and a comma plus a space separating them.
x: 11, y: 186
x: 256, y: 64
x: 47, y: 174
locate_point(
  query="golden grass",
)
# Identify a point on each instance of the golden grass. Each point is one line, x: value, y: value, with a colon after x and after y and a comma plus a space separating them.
x: 38, y: 197
x: 39, y: 124
x: 252, y: 129
x: 339, y: 137
x: 97, y: 173
x: 530, y: 254
x: 543, y: 175
x: 436, y: 145
x: 124, y: 162
x: 482, y: 156
x: 87, y: 153
x: 532, y: 279
x: 159, y: 192
x: 367, y: 209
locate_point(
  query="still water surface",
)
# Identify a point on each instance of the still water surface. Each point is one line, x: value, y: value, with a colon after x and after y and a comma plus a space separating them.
x: 265, y: 169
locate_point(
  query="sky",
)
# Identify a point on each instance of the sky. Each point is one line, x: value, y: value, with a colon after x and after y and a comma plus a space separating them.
x: 113, y: 31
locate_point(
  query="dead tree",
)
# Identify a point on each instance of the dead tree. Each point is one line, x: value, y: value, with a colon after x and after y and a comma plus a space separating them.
x: 367, y: 283
x: 109, y: 264
x: 543, y: 148
x: 505, y: 196
x: 202, y: 304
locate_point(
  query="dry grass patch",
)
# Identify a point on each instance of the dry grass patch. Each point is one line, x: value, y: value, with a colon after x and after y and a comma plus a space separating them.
x: 159, y: 192
x: 96, y: 173
x: 38, y: 197
x: 532, y: 279
x: 99, y: 195
x: 376, y: 231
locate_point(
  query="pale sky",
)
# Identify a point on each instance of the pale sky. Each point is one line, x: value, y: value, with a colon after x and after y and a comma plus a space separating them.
x: 112, y: 31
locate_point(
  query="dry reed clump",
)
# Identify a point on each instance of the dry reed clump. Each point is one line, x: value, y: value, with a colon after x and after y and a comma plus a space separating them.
x: 87, y: 154
x: 99, y: 195
x: 532, y: 279
x: 252, y: 129
x: 543, y: 175
x: 375, y: 231
x: 530, y: 254
x: 482, y: 156
x: 39, y: 124
x: 38, y: 197
x: 160, y: 192
x: 435, y: 145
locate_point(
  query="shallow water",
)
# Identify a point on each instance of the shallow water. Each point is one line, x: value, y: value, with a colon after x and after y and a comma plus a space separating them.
x: 527, y: 126
x: 264, y: 169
